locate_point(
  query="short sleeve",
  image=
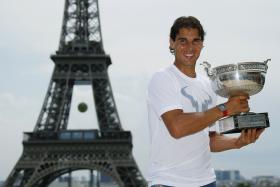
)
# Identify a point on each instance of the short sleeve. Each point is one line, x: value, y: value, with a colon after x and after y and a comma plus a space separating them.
x: 163, y: 95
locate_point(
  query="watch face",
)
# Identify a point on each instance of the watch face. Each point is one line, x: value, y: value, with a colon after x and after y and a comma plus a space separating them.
x: 222, y: 107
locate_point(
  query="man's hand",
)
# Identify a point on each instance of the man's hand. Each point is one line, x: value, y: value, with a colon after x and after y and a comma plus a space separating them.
x: 248, y: 136
x: 220, y: 142
x: 237, y: 104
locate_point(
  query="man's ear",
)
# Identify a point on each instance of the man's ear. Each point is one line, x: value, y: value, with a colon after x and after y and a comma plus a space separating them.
x: 171, y: 44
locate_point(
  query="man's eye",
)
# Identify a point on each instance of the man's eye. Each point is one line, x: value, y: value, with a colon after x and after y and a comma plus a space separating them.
x: 196, y: 42
x: 182, y: 41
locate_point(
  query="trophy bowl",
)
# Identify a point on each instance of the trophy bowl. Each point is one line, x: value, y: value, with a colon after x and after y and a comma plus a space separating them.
x: 244, y: 78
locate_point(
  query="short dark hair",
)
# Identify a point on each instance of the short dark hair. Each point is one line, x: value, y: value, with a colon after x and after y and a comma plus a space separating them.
x: 186, y: 22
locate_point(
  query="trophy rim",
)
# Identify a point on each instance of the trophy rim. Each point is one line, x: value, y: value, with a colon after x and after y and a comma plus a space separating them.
x: 241, y: 66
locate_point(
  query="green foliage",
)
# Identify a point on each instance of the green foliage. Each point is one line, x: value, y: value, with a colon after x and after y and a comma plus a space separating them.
x: 242, y: 184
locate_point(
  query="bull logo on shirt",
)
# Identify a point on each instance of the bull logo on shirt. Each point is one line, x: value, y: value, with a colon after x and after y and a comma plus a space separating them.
x: 199, y: 98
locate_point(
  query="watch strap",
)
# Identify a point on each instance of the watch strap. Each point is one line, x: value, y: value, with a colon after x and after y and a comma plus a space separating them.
x: 222, y: 107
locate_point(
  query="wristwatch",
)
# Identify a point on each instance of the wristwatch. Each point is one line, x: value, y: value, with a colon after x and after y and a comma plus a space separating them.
x: 222, y: 107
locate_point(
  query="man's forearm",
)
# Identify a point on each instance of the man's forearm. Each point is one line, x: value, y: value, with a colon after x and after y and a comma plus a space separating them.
x: 219, y: 142
x: 182, y: 124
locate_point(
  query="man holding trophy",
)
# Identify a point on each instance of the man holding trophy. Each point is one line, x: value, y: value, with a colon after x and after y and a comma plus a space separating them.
x: 182, y: 109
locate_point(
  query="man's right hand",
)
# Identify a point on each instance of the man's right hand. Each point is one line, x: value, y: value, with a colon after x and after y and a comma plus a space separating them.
x: 237, y: 104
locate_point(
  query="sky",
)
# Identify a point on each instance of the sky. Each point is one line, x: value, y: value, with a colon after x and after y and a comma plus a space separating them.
x: 135, y: 35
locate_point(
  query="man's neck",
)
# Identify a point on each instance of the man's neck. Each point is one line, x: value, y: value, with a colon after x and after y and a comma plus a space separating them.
x: 188, y: 70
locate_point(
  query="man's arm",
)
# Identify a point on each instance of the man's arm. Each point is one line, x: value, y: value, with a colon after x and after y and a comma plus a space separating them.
x: 219, y: 142
x: 180, y: 124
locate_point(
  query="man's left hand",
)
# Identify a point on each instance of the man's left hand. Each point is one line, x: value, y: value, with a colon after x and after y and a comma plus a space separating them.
x: 248, y: 136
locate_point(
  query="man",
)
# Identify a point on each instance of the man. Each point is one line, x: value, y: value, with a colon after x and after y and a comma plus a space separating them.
x: 182, y: 108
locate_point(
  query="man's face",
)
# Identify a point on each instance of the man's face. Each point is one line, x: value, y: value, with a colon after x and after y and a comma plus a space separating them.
x: 187, y: 47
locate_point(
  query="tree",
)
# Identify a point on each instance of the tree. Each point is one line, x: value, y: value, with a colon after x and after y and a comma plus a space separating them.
x: 242, y: 184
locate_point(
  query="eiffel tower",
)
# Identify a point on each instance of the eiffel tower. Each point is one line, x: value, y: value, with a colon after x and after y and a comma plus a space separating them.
x: 52, y: 150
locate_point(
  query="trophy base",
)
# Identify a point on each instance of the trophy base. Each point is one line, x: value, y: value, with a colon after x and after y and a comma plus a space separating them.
x: 237, y: 123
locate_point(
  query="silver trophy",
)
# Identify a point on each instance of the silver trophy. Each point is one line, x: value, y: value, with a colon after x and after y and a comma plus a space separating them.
x: 244, y: 78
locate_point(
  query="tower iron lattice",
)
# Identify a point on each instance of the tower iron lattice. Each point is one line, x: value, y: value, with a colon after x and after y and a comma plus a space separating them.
x: 52, y: 150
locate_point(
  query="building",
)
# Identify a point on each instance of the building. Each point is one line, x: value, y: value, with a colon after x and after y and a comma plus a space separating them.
x: 229, y: 178
x: 228, y: 175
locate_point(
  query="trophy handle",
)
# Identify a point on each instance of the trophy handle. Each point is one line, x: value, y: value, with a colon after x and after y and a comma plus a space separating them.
x: 266, y: 61
x: 207, y: 68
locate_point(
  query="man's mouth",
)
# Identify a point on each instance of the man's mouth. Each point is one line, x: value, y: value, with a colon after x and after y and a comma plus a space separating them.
x: 189, y: 55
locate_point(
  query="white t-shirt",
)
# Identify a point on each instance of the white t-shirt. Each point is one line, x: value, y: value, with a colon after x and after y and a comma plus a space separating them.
x: 183, y: 162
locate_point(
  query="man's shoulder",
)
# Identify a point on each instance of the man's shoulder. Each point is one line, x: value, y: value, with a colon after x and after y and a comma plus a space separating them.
x: 163, y: 72
x: 162, y: 75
